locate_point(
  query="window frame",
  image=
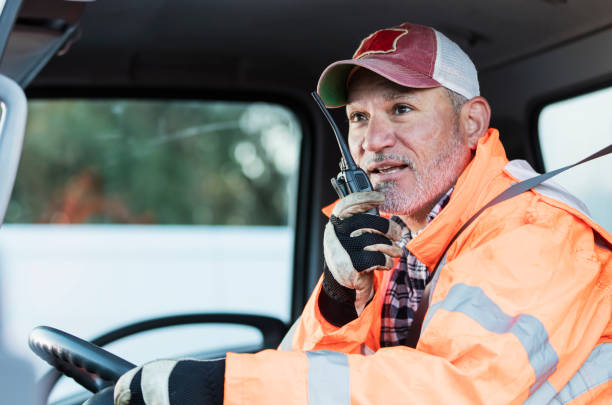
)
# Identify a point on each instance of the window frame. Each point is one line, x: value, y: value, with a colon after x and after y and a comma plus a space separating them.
x: 305, y: 180
x: 566, y: 93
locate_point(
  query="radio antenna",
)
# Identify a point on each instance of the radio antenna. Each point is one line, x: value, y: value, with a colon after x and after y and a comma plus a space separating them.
x: 347, y: 159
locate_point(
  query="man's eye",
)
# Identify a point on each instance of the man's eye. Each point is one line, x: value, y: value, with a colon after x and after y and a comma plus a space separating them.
x: 357, y: 116
x: 401, y: 109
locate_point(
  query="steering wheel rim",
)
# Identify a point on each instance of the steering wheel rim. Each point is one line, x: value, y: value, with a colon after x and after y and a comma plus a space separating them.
x: 272, y: 329
x: 89, y: 365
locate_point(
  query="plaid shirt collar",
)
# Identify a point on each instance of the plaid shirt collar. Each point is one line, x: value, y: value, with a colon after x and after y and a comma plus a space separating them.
x: 406, y: 286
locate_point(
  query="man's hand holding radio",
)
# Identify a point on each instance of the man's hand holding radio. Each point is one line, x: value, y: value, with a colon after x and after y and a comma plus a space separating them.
x: 354, y: 245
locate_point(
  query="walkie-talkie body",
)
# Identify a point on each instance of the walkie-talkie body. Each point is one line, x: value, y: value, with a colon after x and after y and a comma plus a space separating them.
x: 351, y: 178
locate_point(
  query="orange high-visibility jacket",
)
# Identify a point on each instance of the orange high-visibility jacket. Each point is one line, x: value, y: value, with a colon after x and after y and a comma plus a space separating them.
x: 520, y: 313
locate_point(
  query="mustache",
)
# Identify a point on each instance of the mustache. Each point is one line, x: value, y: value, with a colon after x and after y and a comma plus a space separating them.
x: 381, y: 157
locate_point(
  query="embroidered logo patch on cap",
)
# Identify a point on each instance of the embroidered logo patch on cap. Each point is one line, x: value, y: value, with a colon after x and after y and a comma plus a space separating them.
x: 381, y: 41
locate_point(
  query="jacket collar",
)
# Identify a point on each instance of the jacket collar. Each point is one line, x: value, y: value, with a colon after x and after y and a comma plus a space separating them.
x: 472, y: 191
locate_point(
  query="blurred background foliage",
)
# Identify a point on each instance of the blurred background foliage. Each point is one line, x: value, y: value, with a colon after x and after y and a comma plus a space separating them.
x: 156, y: 162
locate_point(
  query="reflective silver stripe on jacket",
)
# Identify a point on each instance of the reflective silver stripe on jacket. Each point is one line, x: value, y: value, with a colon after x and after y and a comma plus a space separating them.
x: 328, y: 378
x: 473, y: 302
x: 596, y: 370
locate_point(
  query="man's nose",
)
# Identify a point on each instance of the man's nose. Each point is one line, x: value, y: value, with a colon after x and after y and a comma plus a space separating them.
x: 379, y: 134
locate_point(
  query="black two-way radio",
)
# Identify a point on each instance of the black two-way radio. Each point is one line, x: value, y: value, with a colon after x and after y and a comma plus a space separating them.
x: 351, y: 178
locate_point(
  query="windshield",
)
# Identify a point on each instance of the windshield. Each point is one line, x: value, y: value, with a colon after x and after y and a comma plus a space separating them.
x: 125, y: 210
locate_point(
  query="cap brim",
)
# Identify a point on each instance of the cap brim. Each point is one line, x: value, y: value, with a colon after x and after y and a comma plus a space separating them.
x: 332, y: 86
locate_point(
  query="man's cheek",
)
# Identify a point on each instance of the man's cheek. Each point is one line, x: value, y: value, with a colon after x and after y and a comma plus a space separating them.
x: 354, y: 144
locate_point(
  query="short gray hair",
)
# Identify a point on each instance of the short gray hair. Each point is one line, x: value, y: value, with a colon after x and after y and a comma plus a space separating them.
x: 456, y: 99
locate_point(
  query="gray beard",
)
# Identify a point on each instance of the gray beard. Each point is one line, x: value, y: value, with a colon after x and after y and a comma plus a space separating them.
x: 431, y: 182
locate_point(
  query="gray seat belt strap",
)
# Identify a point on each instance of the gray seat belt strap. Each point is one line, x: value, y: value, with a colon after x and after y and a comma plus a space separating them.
x: 517, y: 188
x: 287, y: 342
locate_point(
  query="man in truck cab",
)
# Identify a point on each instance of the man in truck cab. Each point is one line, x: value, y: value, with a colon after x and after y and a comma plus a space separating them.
x: 518, y: 297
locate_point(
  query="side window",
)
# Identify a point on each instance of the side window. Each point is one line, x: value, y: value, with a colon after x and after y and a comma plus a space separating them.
x: 572, y: 129
x: 125, y: 210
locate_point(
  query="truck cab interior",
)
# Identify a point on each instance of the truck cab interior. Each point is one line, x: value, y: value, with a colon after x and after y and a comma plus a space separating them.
x: 174, y: 166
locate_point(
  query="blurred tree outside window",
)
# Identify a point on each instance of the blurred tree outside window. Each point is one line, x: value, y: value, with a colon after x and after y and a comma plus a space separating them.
x: 156, y: 162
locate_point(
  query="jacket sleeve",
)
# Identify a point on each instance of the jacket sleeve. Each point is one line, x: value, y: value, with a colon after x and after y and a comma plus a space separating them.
x: 513, y: 316
x: 314, y: 332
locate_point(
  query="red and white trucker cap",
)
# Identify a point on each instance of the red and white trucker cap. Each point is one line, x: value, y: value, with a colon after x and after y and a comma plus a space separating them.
x: 409, y: 55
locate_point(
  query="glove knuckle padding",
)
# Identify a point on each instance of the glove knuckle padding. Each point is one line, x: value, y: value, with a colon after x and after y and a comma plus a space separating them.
x: 365, y: 260
x: 366, y: 239
x: 365, y: 223
x: 364, y: 247
x: 361, y: 221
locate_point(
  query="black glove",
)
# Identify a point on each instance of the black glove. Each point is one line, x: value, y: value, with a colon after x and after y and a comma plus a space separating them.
x: 173, y: 382
x: 354, y: 245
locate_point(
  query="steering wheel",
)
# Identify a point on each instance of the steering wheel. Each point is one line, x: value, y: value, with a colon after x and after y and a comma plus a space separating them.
x: 97, y: 370
x: 89, y: 365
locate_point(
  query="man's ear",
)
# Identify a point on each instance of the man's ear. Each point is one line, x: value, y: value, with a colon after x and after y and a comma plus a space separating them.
x: 474, y: 119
